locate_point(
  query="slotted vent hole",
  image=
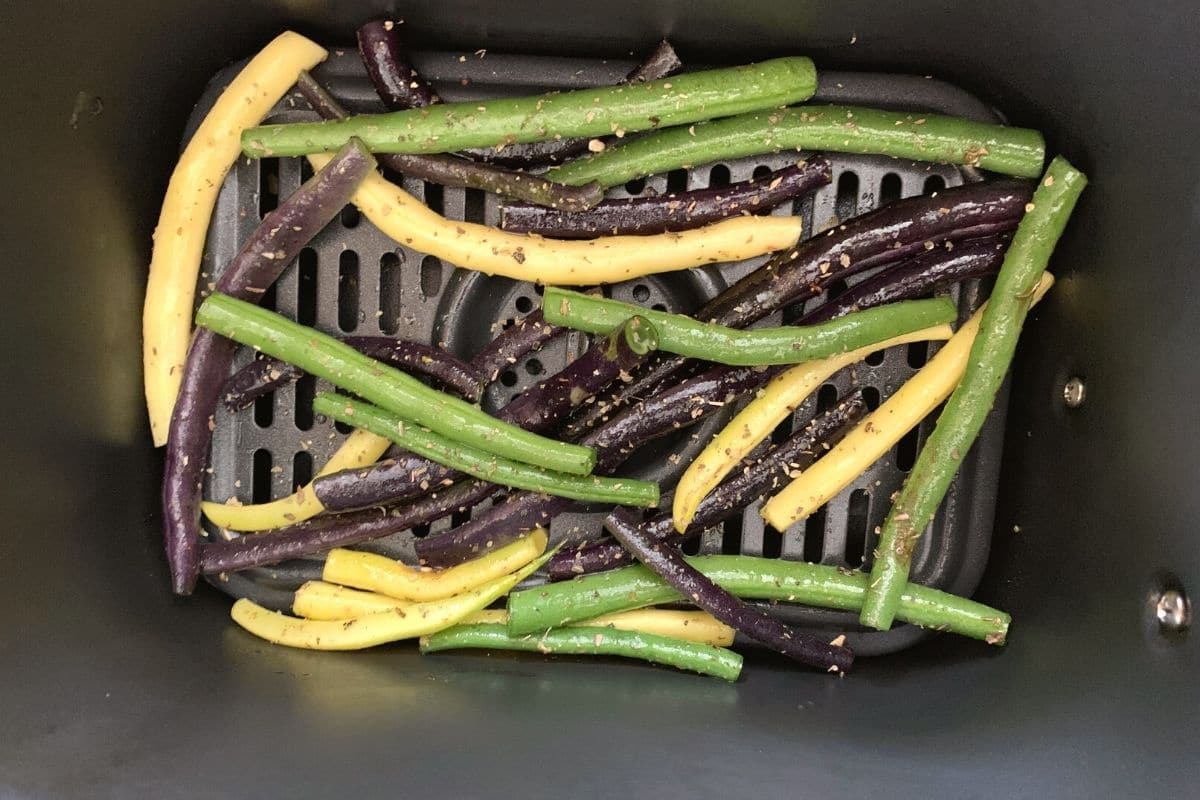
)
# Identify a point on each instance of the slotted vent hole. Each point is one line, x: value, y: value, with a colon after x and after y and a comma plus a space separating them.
x: 857, y: 520
x: 846, y: 205
x: 772, y: 543
x: 474, y: 203
x: 348, y: 290
x: 260, y: 488
x: 431, y: 277
x: 782, y: 431
x: 302, y: 468
x: 389, y: 293
x: 906, y: 450
x: 264, y: 410
x: 677, y: 181
x: 306, y: 287
x: 718, y: 176
x: 827, y: 397
x: 433, y: 198
x: 814, y: 535
x: 731, y: 537
x: 268, y: 185
x: 918, y: 354
x: 890, y: 189
x: 306, y: 389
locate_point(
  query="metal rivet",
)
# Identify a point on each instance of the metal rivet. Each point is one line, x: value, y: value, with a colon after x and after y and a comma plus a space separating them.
x: 1074, y: 393
x: 1173, y: 611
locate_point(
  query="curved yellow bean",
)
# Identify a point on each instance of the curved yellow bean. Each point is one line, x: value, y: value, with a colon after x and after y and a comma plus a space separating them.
x: 356, y: 633
x: 187, y: 209
x: 324, y: 601
x: 389, y: 577
x: 527, y: 257
x: 882, y: 429
x: 360, y: 449
x: 754, y: 423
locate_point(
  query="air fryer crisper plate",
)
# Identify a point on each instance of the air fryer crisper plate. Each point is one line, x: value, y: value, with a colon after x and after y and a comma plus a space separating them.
x: 353, y: 279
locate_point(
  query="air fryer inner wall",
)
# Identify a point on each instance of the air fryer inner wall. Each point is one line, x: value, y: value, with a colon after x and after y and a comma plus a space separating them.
x: 112, y: 689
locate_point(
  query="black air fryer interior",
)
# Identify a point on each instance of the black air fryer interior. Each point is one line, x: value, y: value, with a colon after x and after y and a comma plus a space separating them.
x: 113, y: 688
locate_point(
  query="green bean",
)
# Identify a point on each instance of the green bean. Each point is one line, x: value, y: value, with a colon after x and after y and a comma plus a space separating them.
x: 749, y: 578
x: 480, y: 464
x: 586, y: 112
x: 964, y: 413
x: 785, y: 345
x: 387, y: 387
x: 703, y: 658
x: 840, y: 129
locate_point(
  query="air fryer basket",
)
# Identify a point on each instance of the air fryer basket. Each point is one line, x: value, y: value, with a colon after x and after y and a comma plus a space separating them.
x: 355, y: 280
x: 111, y: 688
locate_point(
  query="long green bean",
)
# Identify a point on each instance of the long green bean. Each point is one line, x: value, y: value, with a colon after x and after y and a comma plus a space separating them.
x: 841, y: 129
x: 389, y: 388
x: 750, y: 578
x: 604, y: 111
x: 964, y: 414
x: 483, y: 465
x: 703, y: 658
x: 784, y: 345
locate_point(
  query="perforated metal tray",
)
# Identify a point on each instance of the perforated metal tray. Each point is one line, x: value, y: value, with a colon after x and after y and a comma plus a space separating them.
x: 355, y: 280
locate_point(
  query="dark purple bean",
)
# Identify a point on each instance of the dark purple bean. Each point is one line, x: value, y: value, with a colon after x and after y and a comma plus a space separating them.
x: 393, y: 480
x: 396, y: 80
x: 267, y: 374
x: 608, y: 360
x: 662, y: 62
x: 423, y: 360
x: 744, y: 487
x: 258, y: 378
x: 668, y: 563
x: 529, y: 155
x: 917, y: 277
x: 537, y: 410
x: 670, y: 410
x: 671, y: 212
x: 529, y: 333
x: 897, y: 231
x: 324, y: 533
x: 273, y: 245
x: 520, y: 512
x: 450, y: 170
